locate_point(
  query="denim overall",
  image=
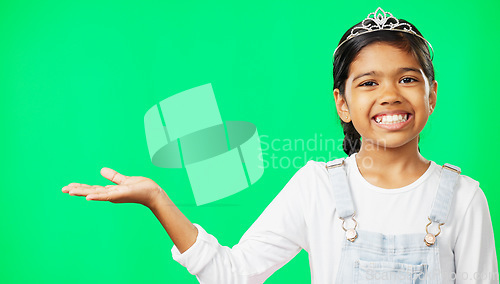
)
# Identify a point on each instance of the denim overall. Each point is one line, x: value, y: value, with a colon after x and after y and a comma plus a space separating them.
x: 371, y: 257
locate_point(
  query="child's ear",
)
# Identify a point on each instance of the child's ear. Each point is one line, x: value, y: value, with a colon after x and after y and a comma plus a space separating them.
x: 342, y: 108
x: 433, y: 96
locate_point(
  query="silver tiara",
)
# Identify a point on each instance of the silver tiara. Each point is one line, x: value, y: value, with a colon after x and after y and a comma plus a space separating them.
x: 382, y: 21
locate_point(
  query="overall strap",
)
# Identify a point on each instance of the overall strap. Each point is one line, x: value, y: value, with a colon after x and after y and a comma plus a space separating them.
x: 444, y: 196
x: 341, y: 190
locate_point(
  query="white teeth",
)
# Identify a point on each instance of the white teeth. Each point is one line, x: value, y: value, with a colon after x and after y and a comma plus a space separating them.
x: 390, y: 119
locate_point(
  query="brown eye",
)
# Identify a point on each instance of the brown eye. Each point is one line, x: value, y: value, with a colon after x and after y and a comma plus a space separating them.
x: 368, y: 84
x: 408, y: 80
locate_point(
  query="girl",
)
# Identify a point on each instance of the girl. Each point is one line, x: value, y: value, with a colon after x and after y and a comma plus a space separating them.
x: 384, y: 214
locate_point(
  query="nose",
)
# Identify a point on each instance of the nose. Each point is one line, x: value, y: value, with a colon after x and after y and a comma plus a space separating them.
x: 390, y: 95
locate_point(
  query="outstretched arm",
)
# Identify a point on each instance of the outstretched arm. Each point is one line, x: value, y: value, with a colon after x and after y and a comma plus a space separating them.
x: 143, y: 191
x: 182, y: 232
x: 275, y: 238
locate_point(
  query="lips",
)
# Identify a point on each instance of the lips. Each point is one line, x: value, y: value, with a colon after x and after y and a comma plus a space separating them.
x: 394, y: 112
x: 392, y: 120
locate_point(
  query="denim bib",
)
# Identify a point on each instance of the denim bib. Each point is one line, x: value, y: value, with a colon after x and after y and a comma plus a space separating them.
x: 371, y: 257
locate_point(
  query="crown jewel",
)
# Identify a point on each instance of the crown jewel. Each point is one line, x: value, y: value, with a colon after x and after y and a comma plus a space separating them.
x: 382, y: 20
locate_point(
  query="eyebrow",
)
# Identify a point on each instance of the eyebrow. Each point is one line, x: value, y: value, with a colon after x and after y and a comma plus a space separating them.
x: 400, y: 70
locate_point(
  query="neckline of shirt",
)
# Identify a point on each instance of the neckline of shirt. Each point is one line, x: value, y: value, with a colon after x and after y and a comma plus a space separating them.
x: 358, y: 176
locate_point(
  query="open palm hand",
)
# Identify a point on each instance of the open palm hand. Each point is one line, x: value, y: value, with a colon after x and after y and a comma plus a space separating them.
x: 127, y: 189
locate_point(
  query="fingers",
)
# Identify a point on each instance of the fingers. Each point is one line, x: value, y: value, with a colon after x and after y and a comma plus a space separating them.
x: 71, y: 186
x: 113, y: 175
x: 75, y: 186
x: 83, y: 189
x: 107, y: 195
x: 96, y: 192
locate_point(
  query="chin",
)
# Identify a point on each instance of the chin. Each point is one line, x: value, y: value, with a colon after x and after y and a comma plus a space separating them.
x: 387, y: 144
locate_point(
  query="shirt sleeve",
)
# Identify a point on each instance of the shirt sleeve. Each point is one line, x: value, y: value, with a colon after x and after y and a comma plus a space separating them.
x: 274, y: 239
x: 475, y: 254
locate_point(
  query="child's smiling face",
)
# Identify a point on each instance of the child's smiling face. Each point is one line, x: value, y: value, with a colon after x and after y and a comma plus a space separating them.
x: 387, y: 96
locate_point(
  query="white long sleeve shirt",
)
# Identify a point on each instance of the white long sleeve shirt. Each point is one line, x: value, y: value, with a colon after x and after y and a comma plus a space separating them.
x: 303, y: 216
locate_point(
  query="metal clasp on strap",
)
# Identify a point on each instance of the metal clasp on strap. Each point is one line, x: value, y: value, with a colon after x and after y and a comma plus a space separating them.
x: 452, y: 168
x: 335, y: 164
x: 350, y: 234
x: 430, y: 239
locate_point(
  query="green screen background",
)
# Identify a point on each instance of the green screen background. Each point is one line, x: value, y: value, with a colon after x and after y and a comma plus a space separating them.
x: 77, y: 77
